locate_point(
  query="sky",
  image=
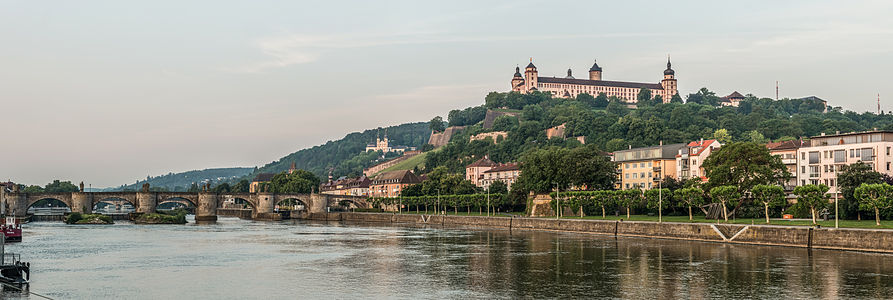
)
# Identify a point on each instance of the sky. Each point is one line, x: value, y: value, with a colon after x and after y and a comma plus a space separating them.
x: 108, y: 92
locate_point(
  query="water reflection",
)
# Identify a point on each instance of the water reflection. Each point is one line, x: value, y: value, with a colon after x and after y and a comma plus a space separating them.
x: 243, y: 259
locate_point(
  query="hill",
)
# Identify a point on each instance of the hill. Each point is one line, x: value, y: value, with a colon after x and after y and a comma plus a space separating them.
x: 182, y: 181
x: 346, y: 157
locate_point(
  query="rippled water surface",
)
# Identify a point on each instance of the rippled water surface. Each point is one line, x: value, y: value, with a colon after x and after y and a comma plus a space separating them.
x: 237, y: 259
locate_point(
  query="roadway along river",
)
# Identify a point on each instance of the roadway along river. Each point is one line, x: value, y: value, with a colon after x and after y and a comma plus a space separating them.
x: 238, y: 259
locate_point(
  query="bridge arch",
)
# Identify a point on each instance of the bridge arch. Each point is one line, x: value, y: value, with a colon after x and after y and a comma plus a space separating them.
x: 65, y: 198
x: 236, y: 201
x: 292, y: 203
x: 118, y: 203
x: 176, y: 202
x: 48, y: 205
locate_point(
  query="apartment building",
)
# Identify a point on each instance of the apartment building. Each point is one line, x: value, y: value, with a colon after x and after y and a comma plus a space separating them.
x: 787, y: 151
x: 820, y: 159
x: 690, y: 160
x: 643, y: 168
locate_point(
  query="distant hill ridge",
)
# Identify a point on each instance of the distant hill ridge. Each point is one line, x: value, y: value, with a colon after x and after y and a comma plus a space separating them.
x: 182, y: 181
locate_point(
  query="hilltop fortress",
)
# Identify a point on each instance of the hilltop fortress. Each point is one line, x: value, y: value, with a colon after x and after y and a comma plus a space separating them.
x: 571, y: 87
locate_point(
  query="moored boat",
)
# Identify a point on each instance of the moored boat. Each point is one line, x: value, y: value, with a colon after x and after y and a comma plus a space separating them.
x: 12, y: 229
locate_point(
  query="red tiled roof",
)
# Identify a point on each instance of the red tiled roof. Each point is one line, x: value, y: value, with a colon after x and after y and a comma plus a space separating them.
x: 504, y: 167
x: 786, y: 145
x: 703, y: 144
x: 483, y: 162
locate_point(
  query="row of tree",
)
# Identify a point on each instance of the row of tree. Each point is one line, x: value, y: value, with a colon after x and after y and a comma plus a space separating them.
x: 442, y: 203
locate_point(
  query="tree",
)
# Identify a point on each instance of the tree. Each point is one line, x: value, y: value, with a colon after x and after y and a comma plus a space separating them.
x: 849, y: 178
x: 498, y: 187
x: 505, y: 123
x: 601, y: 199
x: 629, y: 199
x: 769, y: 196
x: 658, y: 199
x: 222, y: 188
x: 437, y: 124
x: 722, y: 135
x: 726, y: 194
x: 875, y: 196
x: 60, y: 187
x: 644, y: 96
x: 755, y: 137
x: 242, y: 186
x: 658, y: 99
x: 297, y: 182
x: 676, y: 98
x: 691, y: 196
x: 744, y: 165
x: 601, y: 101
x: 33, y: 189
x: 812, y: 196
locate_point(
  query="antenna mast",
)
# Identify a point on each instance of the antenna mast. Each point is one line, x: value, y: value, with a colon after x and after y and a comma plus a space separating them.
x: 776, y: 90
x: 878, y: 103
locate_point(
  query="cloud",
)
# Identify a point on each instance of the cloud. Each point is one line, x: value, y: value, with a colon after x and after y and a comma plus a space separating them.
x: 293, y: 49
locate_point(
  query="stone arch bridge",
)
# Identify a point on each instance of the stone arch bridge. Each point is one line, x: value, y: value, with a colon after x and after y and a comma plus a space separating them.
x: 205, y: 203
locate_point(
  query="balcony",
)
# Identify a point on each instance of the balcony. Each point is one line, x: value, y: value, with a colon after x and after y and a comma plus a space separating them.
x: 789, y: 161
x: 814, y: 175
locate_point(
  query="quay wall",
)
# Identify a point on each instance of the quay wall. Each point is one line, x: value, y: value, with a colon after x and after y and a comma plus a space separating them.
x: 866, y: 240
x: 234, y: 212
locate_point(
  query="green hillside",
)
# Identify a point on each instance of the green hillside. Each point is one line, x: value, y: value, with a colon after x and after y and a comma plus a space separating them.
x: 346, y: 155
x: 182, y: 181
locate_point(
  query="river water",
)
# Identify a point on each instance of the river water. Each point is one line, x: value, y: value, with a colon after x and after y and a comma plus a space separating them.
x: 239, y: 259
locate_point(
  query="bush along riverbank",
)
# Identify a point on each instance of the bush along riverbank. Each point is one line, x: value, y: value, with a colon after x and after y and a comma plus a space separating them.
x: 172, y: 217
x: 79, y: 218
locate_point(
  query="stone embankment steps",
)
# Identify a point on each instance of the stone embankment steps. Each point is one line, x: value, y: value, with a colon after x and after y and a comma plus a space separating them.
x: 868, y: 240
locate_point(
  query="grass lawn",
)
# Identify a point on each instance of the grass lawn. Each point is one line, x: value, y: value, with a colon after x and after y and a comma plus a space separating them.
x: 408, y: 164
x: 464, y: 213
x: 869, y: 224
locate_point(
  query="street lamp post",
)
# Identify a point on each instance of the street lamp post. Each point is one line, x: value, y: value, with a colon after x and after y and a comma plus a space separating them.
x: 836, y: 198
x: 557, y: 201
x: 488, y: 200
x: 660, y: 198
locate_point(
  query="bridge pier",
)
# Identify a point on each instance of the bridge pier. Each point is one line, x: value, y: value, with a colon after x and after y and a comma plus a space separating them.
x: 81, y: 203
x: 206, y: 208
x: 146, y: 202
x: 15, y: 204
x: 318, y: 203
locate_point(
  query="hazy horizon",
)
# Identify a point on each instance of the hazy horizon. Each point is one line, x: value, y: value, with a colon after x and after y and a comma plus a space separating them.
x: 110, y: 92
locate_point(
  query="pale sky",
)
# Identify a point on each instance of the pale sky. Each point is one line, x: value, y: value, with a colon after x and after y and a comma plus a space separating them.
x: 107, y: 92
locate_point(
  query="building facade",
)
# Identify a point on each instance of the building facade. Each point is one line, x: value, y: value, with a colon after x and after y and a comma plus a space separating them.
x: 358, y: 186
x: 787, y: 151
x: 475, y: 171
x: 820, y: 159
x: 571, y: 87
x: 508, y: 173
x: 734, y: 99
x: 690, y: 160
x: 391, y: 184
x: 258, y: 180
x: 644, y: 168
x: 384, y: 145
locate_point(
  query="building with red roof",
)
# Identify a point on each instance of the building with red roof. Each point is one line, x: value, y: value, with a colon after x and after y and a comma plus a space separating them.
x: 690, y: 160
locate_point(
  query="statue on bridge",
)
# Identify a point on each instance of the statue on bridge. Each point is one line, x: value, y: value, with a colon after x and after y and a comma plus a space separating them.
x: 145, y: 187
x: 82, y: 186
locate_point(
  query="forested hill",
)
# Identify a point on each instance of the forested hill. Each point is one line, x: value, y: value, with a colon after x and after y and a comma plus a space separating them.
x: 609, y: 124
x: 182, y: 181
x: 347, y: 154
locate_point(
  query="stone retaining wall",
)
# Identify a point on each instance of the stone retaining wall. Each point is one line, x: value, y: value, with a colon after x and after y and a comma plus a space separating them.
x: 789, y: 236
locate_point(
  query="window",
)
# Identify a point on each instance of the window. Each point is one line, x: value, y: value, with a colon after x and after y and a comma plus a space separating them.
x: 643, y: 175
x: 839, y: 156
x: 888, y: 166
x: 649, y: 164
x: 635, y: 174
x: 641, y: 165
x: 802, y: 155
x: 626, y: 166
x: 868, y: 154
x: 814, y: 157
x: 888, y: 151
x: 627, y: 186
x: 803, y: 169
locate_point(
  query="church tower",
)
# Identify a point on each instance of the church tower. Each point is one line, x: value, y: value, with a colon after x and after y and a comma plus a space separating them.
x: 517, y: 80
x: 669, y: 82
x: 530, y: 77
x: 595, y: 73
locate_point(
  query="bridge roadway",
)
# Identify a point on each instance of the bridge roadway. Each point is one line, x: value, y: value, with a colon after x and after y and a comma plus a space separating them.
x: 205, y: 203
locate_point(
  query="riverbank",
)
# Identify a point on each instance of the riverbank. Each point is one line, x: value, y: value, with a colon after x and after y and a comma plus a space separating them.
x: 866, y: 240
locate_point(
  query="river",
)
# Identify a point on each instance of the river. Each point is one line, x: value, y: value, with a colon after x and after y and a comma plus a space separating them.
x: 239, y: 259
